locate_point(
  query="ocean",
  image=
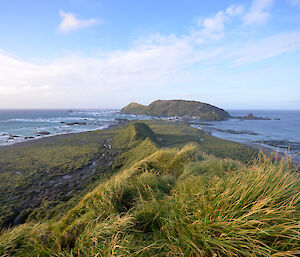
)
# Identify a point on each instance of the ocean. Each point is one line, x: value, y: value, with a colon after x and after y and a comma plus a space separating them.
x: 282, y: 132
x: 23, y: 125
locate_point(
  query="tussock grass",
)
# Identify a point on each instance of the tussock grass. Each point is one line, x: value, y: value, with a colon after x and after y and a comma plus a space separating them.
x: 174, y: 201
x: 133, y: 134
x: 208, y: 207
x: 252, y: 212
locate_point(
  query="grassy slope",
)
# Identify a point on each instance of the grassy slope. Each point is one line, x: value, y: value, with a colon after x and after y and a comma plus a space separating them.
x: 171, y: 108
x: 134, y: 108
x: 26, y: 173
x: 31, y: 175
x: 170, y: 196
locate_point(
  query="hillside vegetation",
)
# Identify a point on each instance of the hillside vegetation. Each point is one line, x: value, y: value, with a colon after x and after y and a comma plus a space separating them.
x: 173, y: 191
x: 180, y: 108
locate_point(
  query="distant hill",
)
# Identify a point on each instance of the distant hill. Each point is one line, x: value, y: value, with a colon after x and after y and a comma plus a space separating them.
x: 180, y: 108
x: 134, y: 108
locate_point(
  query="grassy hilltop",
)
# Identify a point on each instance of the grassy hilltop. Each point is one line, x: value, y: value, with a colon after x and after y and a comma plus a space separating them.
x: 170, y: 190
x: 181, y: 108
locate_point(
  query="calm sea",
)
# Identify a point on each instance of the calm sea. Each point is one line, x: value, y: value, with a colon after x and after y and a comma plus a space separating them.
x: 284, y: 126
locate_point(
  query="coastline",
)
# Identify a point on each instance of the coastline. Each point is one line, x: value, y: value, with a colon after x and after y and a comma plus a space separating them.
x: 48, y: 138
x: 24, y: 125
x: 275, y: 148
x: 295, y: 159
x: 82, y: 179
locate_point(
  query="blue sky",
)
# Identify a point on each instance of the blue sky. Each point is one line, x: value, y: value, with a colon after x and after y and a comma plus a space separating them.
x: 105, y: 54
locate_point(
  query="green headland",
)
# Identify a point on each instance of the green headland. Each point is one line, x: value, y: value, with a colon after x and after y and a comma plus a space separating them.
x: 153, y: 188
x: 179, y: 108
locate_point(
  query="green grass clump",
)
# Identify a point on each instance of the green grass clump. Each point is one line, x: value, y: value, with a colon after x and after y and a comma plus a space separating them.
x: 251, y: 212
x: 132, y: 135
x: 127, y: 158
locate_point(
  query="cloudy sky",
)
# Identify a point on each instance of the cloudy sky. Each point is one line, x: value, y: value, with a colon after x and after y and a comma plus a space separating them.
x: 107, y: 53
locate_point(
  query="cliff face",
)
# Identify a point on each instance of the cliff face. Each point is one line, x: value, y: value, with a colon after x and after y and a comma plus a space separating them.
x: 181, y: 108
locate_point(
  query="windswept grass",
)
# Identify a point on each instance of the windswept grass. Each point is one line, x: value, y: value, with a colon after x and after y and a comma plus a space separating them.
x: 249, y: 212
x: 203, y: 207
x: 134, y: 134
x: 172, y: 194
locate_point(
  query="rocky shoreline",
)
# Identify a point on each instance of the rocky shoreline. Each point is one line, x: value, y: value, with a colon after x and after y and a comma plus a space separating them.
x: 266, y: 149
x: 281, y: 148
x: 49, y: 137
x: 39, y: 135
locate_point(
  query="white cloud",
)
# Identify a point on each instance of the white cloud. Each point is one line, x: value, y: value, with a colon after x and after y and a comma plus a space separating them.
x: 259, y: 12
x: 150, y: 65
x: 70, y: 22
x: 267, y: 47
x: 216, y: 23
x: 213, y: 27
x: 94, y: 81
x: 235, y: 10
